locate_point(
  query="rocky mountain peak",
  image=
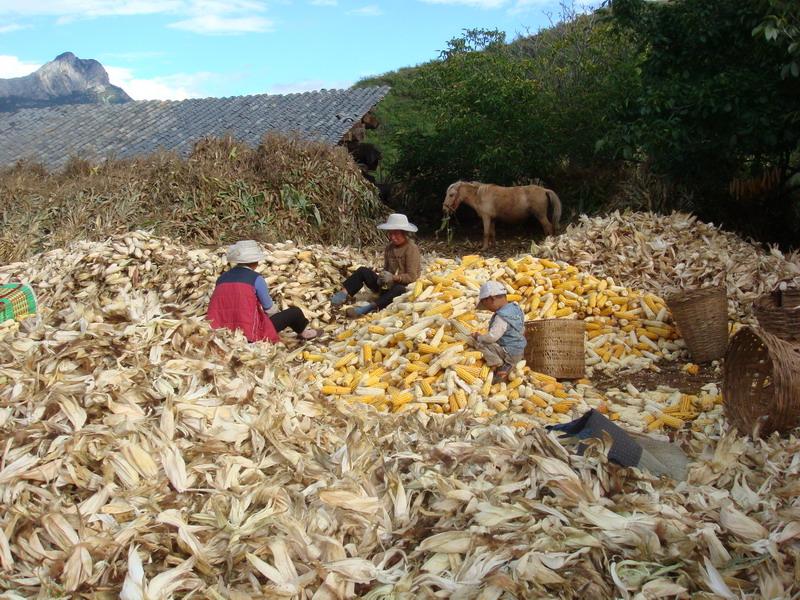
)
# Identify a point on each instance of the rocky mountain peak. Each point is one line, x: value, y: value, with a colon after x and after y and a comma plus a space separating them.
x: 65, y: 80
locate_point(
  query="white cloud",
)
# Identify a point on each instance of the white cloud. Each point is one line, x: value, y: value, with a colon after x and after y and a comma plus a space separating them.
x: 307, y: 85
x: 179, y: 86
x: 489, y: 4
x: 371, y: 10
x: 219, y: 25
x: 11, y: 66
x: 210, y: 17
x: 12, y: 27
x: 324, y: 2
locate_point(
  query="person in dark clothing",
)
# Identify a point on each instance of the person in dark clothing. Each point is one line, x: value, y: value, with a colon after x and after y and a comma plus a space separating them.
x: 241, y: 300
x: 401, y: 266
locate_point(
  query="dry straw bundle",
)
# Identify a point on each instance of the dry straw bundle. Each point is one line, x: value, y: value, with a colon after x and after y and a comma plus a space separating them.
x: 224, y: 191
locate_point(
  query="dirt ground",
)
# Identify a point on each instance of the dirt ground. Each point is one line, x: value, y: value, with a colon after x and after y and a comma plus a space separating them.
x: 670, y: 374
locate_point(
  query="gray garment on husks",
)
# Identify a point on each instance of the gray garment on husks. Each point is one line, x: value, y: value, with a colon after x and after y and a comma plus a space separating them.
x: 495, y: 355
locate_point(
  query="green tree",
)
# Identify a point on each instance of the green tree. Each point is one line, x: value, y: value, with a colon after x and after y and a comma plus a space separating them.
x: 716, y: 103
x: 509, y: 113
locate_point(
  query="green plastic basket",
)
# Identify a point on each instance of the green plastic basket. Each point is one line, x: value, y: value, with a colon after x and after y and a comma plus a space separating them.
x: 17, y: 301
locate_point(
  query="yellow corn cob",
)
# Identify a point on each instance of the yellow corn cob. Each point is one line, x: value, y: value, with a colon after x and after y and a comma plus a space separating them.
x: 484, y: 372
x: 417, y: 367
x: 409, y: 379
x: 549, y: 263
x: 418, y: 287
x: 563, y: 312
x: 514, y: 383
x: 344, y: 334
x: 366, y: 399
x: 465, y: 317
x: 461, y: 399
x: 438, y: 309
x: 651, y: 302
x: 366, y: 354
x: 376, y: 329
x: 630, y: 316
x: 487, y: 385
x: 671, y: 421
x: 452, y: 404
x: 562, y: 407
x: 464, y: 374
x: 335, y: 390
x: 400, y: 398
x: 345, y: 360
x: 428, y: 349
x: 470, y: 259
x: 426, y: 388
x: 313, y: 357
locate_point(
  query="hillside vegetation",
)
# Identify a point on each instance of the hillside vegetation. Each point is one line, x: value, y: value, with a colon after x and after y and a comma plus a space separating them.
x: 225, y: 191
x: 659, y: 105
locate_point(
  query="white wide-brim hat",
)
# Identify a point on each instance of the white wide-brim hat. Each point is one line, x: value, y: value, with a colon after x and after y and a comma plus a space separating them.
x: 245, y: 252
x: 398, y: 222
x: 489, y: 290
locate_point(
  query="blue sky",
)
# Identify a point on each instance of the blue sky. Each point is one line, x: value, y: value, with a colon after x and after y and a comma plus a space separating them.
x: 175, y: 49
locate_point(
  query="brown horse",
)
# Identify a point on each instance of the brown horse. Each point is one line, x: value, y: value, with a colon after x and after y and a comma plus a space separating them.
x: 509, y: 204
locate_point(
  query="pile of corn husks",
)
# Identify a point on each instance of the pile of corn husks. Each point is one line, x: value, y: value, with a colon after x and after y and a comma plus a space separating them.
x: 144, y: 453
x: 664, y: 253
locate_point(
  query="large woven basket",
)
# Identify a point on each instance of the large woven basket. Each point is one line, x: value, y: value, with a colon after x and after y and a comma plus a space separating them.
x: 761, y: 383
x: 777, y: 315
x: 556, y: 347
x: 16, y: 301
x: 702, y: 318
x: 790, y: 298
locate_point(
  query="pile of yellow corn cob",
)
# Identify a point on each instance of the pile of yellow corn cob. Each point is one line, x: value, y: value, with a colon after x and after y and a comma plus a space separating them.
x: 418, y: 354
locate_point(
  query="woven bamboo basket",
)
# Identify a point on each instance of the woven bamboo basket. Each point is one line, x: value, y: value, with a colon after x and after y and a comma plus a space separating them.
x: 556, y: 347
x: 777, y: 315
x: 702, y: 318
x: 761, y: 383
x: 790, y: 298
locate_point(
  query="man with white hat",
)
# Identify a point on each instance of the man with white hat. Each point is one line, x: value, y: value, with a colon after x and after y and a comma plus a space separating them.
x: 241, y: 300
x: 504, y: 344
x: 401, y: 265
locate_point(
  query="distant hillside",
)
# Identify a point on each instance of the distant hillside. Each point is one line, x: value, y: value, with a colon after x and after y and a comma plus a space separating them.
x: 65, y: 80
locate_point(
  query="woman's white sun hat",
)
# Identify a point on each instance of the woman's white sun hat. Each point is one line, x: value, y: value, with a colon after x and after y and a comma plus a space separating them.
x: 245, y: 252
x: 398, y: 222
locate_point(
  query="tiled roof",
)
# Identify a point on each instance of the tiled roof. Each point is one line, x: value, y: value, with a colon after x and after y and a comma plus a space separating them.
x: 94, y: 132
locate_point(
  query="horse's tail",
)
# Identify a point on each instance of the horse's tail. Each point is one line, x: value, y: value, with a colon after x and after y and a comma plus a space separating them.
x: 553, y: 210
